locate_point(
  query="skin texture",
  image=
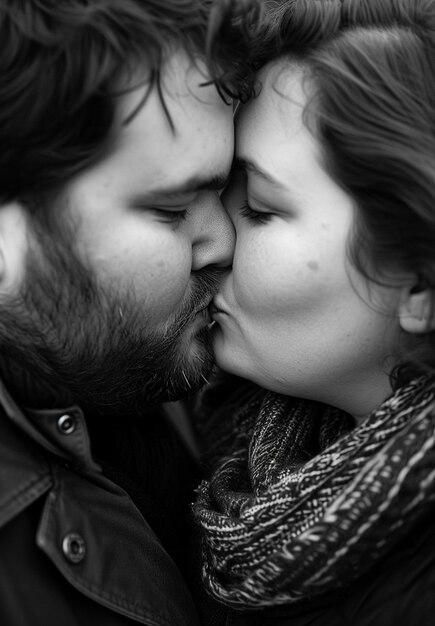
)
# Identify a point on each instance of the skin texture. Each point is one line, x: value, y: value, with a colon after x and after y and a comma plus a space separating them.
x: 109, y: 305
x: 132, y: 232
x: 293, y: 315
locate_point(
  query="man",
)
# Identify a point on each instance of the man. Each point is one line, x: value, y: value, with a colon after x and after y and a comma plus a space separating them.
x: 115, y: 143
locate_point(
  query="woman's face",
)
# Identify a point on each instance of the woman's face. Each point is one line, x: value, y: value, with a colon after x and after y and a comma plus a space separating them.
x: 293, y: 315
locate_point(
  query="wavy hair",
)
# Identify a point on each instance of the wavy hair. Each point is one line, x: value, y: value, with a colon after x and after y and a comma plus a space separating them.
x: 60, y: 60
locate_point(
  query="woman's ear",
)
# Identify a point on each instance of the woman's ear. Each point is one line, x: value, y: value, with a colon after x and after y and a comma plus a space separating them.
x: 13, y: 246
x: 417, y: 310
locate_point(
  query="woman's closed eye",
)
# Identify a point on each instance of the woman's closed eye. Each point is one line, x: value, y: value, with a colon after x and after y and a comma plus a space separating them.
x: 258, y: 217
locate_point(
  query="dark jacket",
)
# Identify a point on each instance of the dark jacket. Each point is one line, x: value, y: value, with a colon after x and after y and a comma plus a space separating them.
x: 74, y: 549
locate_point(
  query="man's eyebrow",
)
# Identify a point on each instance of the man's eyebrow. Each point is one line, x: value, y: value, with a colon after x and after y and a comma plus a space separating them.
x: 247, y: 165
x: 192, y: 185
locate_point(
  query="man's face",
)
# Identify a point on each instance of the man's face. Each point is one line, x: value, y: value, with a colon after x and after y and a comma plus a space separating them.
x: 124, y: 302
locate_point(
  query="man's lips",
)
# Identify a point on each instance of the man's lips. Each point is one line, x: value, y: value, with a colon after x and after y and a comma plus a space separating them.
x: 204, y: 309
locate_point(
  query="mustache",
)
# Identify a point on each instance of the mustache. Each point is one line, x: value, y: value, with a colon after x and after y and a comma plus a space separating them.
x: 206, y: 285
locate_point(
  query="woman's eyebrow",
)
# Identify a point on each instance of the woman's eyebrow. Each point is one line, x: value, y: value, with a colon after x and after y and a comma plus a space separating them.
x: 248, y: 165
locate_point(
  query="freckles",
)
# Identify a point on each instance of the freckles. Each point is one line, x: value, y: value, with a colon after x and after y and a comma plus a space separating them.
x: 313, y: 265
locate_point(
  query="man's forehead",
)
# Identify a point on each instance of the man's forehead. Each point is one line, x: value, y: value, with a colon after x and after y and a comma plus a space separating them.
x: 151, y: 159
x: 181, y: 78
x: 188, y: 122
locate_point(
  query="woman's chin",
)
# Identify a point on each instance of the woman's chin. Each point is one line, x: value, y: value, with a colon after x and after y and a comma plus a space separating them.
x: 229, y: 363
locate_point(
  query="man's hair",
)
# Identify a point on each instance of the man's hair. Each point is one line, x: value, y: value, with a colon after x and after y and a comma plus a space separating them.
x: 60, y: 60
x: 370, y: 65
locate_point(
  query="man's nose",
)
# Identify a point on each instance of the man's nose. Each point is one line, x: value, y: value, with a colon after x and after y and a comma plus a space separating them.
x: 214, y: 235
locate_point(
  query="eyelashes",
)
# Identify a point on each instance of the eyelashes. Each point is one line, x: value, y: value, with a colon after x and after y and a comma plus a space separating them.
x: 172, y: 215
x: 254, y: 216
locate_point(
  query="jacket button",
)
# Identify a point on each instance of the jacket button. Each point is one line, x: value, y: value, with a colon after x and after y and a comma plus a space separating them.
x: 74, y: 547
x: 66, y: 424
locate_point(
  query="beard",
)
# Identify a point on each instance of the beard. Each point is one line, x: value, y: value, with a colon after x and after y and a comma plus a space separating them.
x: 65, y: 339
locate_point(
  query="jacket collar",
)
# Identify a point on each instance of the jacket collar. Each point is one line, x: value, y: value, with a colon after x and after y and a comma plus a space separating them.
x: 130, y: 572
x: 62, y: 432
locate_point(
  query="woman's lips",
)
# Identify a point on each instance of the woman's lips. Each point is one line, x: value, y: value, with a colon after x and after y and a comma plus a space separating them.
x: 216, y: 309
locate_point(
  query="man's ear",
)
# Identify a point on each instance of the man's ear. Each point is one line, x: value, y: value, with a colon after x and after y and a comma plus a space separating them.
x: 13, y: 246
x: 417, y: 310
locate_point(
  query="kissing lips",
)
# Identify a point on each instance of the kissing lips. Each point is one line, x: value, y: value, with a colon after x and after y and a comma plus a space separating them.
x: 216, y: 311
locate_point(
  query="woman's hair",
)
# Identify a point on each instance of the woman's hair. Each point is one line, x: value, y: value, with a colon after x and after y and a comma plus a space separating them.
x: 59, y: 65
x: 371, y: 66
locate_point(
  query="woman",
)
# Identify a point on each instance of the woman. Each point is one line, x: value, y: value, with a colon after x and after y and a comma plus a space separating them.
x: 321, y: 503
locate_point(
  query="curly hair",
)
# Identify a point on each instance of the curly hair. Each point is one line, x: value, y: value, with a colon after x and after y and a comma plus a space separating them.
x: 371, y: 69
x: 60, y: 59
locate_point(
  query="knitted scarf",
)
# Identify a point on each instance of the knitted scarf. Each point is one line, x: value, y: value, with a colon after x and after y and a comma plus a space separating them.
x: 305, y: 501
